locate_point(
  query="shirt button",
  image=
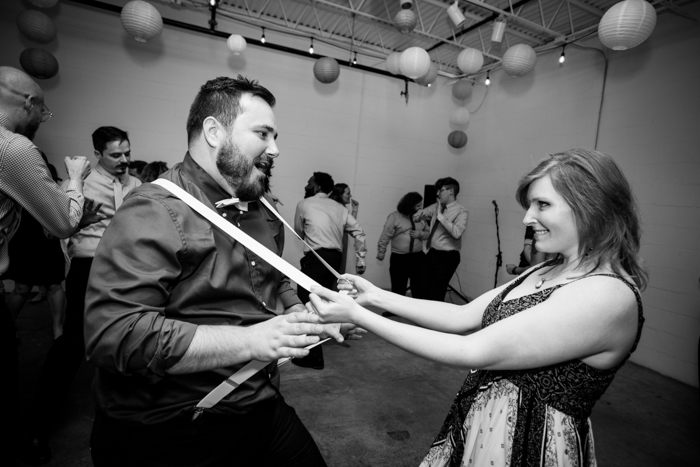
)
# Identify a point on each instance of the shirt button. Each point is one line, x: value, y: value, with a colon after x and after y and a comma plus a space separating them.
x: 264, y: 304
x: 241, y: 212
x: 238, y: 224
x: 224, y: 214
x: 252, y: 263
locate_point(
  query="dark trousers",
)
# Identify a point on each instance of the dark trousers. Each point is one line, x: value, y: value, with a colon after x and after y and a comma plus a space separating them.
x: 270, y: 435
x: 438, y: 270
x: 65, y: 355
x: 405, y: 267
x: 312, y: 267
x: 10, y: 383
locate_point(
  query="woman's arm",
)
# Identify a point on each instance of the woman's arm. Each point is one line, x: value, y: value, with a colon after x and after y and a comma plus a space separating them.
x: 595, y: 321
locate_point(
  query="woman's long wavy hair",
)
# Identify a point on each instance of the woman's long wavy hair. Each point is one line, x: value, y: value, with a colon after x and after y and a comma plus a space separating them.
x: 604, y: 208
x: 338, y: 191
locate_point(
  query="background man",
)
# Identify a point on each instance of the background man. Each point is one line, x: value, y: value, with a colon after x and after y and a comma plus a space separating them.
x: 175, y: 306
x: 448, y: 220
x: 105, y: 188
x: 26, y: 183
x: 321, y: 222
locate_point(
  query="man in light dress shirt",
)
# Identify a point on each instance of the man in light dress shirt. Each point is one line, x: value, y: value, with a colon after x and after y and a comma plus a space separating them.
x: 106, y: 186
x: 26, y: 184
x: 321, y: 221
x: 448, y: 220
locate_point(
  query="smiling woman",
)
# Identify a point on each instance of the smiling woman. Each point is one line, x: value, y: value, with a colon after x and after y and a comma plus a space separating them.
x: 540, y: 357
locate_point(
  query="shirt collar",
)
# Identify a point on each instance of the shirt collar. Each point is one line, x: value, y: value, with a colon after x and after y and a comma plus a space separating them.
x: 208, y: 185
x: 321, y: 194
x: 449, y: 205
x: 123, y: 178
x: 5, y: 122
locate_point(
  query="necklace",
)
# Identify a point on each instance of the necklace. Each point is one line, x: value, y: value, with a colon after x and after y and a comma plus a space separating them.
x: 541, y: 282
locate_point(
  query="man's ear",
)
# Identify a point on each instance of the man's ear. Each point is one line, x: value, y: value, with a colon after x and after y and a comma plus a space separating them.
x: 29, y: 101
x: 97, y: 154
x: 213, y: 132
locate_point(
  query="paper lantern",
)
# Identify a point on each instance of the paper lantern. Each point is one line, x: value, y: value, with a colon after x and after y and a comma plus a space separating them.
x: 430, y: 77
x: 470, y: 60
x: 43, y: 3
x: 141, y: 20
x: 393, y: 63
x: 414, y: 62
x: 405, y: 4
x: 627, y: 24
x: 36, y: 26
x: 519, y: 60
x: 460, y: 117
x: 236, y: 44
x: 405, y: 21
x: 462, y: 89
x: 39, y: 63
x: 457, y: 139
x: 326, y: 70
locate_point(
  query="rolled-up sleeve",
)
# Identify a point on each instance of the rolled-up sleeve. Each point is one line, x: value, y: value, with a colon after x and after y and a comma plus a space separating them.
x: 353, y: 228
x: 386, y: 236
x: 127, y: 330
x: 457, y: 226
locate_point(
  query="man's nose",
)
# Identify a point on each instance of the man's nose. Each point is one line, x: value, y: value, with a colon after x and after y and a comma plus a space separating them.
x: 272, y: 149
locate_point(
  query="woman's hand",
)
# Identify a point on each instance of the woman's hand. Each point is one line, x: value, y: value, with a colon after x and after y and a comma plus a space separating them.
x: 362, y: 290
x: 333, y: 307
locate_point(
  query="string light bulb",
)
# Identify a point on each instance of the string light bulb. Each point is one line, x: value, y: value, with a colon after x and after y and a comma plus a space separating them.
x: 354, y: 60
x: 262, y: 39
x: 562, y: 57
x: 212, y: 2
x: 488, y: 79
x: 311, y: 47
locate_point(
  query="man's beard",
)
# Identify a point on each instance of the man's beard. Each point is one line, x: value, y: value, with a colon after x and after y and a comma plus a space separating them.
x: 237, y: 170
x: 30, y: 130
x: 309, y: 192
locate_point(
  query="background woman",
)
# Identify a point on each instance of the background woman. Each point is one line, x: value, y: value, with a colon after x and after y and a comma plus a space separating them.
x: 405, y: 236
x: 543, y: 348
x: 341, y: 193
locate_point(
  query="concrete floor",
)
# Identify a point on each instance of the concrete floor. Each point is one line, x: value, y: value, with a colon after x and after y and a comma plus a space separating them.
x: 374, y: 405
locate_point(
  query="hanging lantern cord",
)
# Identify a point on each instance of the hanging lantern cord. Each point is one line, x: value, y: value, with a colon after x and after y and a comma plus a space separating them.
x: 212, y: 7
x: 405, y: 93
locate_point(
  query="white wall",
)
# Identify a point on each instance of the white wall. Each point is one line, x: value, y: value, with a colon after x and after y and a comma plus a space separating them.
x: 361, y: 131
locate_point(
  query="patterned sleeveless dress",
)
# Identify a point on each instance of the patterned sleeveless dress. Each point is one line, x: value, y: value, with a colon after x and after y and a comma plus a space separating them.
x: 536, y: 417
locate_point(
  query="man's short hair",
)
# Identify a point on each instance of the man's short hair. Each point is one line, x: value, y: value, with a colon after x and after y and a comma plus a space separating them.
x: 448, y: 182
x: 220, y: 98
x: 324, y: 181
x: 105, y: 135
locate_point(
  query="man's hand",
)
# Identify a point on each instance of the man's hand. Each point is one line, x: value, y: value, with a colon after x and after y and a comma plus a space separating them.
x: 440, y: 207
x: 380, y: 258
x: 284, y: 336
x: 360, y: 269
x: 90, y: 213
x: 78, y: 167
x: 414, y: 233
x: 329, y: 330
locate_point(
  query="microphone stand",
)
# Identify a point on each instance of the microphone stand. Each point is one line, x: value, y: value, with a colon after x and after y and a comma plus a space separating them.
x: 499, y: 256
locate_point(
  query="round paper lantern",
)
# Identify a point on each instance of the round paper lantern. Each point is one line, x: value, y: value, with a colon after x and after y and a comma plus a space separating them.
x: 460, y: 116
x: 405, y: 21
x: 39, y: 63
x: 457, y: 139
x: 36, y: 26
x: 627, y: 24
x: 414, y: 62
x: 141, y: 20
x: 470, y: 60
x: 236, y: 44
x: 326, y: 70
x: 462, y: 89
x: 43, y: 3
x: 519, y: 60
x: 430, y: 77
x: 393, y: 63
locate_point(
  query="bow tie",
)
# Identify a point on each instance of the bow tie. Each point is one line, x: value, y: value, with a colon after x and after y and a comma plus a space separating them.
x: 242, y: 205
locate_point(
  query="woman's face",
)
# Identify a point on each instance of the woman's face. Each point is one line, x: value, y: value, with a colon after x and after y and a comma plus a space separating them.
x: 418, y: 207
x: 552, y: 219
x: 346, y: 196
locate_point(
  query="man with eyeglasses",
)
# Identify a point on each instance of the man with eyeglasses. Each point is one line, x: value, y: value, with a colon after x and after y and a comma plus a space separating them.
x: 448, y: 221
x: 26, y: 184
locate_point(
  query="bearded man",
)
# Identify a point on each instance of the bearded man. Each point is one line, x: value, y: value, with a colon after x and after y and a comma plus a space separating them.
x: 175, y: 306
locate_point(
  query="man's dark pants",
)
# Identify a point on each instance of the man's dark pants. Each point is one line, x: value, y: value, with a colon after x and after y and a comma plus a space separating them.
x: 10, y: 384
x: 312, y: 267
x: 405, y: 267
x: 271, y: 434
x: 438, y: 270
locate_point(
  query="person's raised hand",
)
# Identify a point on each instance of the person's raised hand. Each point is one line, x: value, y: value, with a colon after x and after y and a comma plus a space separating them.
x: 91, y: 213
x: 333, y: 307
x: 78, y: 167
x: 284, y: 336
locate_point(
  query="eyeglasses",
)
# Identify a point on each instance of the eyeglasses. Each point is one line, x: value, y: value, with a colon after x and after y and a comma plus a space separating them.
x: 45, y: 114
x: 442, y: 189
